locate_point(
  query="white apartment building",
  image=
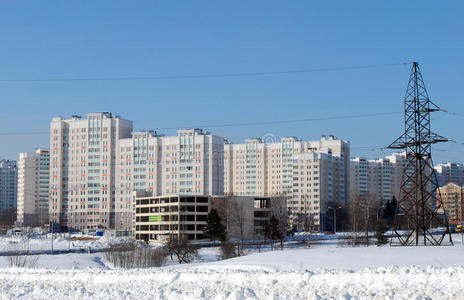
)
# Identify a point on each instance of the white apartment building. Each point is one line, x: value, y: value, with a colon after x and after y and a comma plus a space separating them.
x: 189, y: 163
x: 312, y: 185
x: 379, y: 178
x: 8, y: 185
x: 450, y: 173
x: 256, y: 168
x: 83, y: 169
x: 33, y: 187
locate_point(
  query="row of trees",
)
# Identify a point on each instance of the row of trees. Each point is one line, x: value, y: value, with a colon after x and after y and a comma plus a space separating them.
x: 231, y: 218
x: 361, y: 216
x: 366, y: 213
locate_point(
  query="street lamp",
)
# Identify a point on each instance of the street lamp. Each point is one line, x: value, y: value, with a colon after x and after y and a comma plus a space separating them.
x: 379, y: 210
x: 335, y: 217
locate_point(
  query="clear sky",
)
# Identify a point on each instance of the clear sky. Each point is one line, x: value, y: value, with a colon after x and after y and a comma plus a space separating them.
x: 176, y: 42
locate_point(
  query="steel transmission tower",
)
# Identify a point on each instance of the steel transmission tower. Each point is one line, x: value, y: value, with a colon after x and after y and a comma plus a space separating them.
x: 418, y: 210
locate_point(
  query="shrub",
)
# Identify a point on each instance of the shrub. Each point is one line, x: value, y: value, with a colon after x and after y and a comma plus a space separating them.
x: 129, y: 255
x: 227, y: 250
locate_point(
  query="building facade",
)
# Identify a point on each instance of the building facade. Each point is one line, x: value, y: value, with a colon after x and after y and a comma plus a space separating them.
x: 8, y: 185
x: 157, y: 218
x: 378, y: 178
x: 450, y: 173
x: 33, y: 187
x: 310, y: 174
x: 83, y: 169
x: 313, y: 186
x: 246, y: 217
x: 189, y: 163
x: 452, y: 196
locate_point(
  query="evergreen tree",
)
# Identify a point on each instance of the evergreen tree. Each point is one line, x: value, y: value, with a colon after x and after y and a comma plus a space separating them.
x: 380, y: 230
x: 394, y: 205
x: 214, y: 228
x: 390, y: 211
x: 272, y: 230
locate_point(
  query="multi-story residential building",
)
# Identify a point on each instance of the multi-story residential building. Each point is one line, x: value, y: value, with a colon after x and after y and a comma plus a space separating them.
x: 450, y: 172
x: 8, y: 185
x: 33, y: 187
x: 83, y: 169
x: 257, y: 168
x: 189, y: 163
x: 452, y: 198
x: 360, y: 179
x: 313, y: 174
x: 379, y: 178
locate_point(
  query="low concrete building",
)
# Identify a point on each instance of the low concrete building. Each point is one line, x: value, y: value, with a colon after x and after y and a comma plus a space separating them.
x: 246, y: 217
x: 158, y: 217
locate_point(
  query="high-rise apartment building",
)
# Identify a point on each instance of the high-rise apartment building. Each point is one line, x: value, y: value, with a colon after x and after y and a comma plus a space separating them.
x: 452, y: 198
x: 189, y: 163
x: 33, y: 187
x: 379, y: 178
x: 310, y: 174
x: 313, y: 174
x: 8, y: 185
x: 83, y: 169
x: 450, y: 173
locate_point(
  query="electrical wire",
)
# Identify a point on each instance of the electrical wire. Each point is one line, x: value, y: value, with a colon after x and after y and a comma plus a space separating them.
x: 234, y: 124
x: 199, y: 76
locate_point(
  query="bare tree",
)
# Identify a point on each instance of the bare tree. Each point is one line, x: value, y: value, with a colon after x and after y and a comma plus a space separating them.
x: 130, y: 255
x: 369, y: 206
x: 227, y: 250
x: 355, y: 216
x: 306, y: 222
x: 18, y: 254
x: 239, y: 222
x: 233, y: 214
x: 181, y: 248
x: 362, y: 211
x: 121, y: 255
x: 259, y: 240
x: 279, y: 211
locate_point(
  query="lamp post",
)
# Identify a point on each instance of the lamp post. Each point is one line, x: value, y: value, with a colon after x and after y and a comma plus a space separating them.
x: 378, y: 211
x: 51, y: 227
x: 335, y: 217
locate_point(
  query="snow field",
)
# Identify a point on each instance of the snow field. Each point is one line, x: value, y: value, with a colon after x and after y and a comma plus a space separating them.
x: 235, y: 283
x: 320, y: 272
x: 43, y: 243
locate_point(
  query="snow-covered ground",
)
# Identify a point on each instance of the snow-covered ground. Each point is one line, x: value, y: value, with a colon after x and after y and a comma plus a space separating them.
x: 349, y: 258
x: 315, y: 273
x: 60, y: 242
x: 233, y: 283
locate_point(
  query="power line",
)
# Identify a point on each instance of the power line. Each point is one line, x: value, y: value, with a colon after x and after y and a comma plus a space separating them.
x: 291, y: 121
x: 199, y: 76
x: 235, y: 124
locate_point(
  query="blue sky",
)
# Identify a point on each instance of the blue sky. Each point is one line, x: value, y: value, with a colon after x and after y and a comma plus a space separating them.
x: 102, y: 39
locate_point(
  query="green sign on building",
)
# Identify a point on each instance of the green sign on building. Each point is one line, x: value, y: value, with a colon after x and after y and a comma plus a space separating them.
x: 154, y: 219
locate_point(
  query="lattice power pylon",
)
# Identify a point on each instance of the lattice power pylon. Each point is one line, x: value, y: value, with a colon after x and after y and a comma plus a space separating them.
x: 420, y: 217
